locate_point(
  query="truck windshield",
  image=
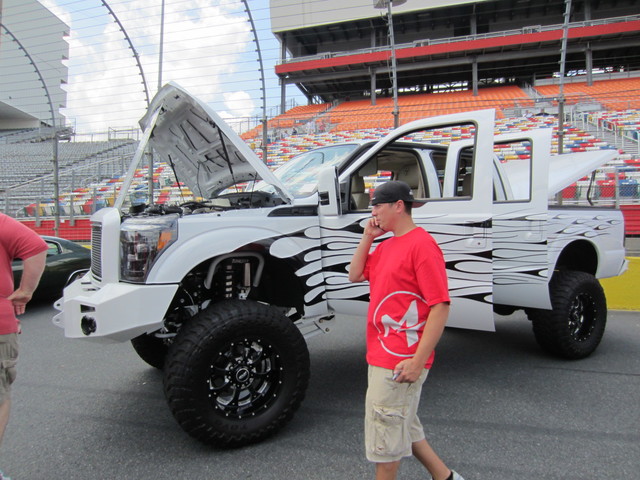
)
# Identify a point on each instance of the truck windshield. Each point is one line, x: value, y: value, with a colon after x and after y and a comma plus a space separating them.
x: 300, y: 174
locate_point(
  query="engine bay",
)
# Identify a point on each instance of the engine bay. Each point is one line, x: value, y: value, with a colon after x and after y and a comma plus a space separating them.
x: 224, y: 202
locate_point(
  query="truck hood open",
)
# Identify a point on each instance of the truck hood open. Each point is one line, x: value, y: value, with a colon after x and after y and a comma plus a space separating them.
x: 564, y: 169
x: 205, y: 153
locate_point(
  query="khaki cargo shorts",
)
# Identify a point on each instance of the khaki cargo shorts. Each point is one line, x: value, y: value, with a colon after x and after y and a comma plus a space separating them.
x: 8, y: 359
x: 391, y: 420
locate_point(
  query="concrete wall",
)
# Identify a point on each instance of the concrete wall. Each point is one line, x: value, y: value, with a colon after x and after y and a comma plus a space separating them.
x: 42, y: 35
x: 295, y: 14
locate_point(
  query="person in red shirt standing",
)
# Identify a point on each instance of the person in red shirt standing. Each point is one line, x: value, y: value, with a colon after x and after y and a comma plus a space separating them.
x: 16, y: 242
x: 408, y: 310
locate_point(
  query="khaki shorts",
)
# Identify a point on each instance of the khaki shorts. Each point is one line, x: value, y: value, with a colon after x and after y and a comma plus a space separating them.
x: 391, y: 420
x: 8, y: 359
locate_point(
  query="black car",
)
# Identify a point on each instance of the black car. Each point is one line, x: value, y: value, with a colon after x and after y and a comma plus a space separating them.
x: 64, y: 258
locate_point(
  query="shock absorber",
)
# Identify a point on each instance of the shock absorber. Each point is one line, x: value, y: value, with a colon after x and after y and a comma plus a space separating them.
x: 228, y: 281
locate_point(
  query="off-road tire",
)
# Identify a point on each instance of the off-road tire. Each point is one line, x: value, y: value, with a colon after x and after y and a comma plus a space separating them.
x: 574, y: 327
x: 236, y: 373
x: 151, y: 349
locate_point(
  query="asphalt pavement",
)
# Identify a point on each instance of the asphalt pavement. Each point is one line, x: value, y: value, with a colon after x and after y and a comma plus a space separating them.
x: 494, y: 407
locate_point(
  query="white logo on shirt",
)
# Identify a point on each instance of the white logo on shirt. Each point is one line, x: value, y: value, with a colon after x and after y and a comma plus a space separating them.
x: 411, y: 323
x: 390, y: 330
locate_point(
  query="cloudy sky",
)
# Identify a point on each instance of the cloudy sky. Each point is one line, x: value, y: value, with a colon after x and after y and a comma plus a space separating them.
x: 208, y: 48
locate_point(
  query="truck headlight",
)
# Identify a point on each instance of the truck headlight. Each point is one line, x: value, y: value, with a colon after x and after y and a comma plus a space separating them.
x: 142, y: 241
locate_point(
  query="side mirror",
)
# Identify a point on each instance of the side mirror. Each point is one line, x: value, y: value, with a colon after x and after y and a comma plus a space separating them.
x: 329, y: 192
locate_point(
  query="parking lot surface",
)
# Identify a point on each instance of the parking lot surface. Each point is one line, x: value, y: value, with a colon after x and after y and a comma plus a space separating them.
x: 494, y: 407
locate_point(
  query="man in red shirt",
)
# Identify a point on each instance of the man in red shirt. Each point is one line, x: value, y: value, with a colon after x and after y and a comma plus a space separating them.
x: 16, y: 241
x: 408, y: 309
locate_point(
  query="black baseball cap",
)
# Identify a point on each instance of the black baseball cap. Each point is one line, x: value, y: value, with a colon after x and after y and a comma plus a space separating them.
x: 392, y: 191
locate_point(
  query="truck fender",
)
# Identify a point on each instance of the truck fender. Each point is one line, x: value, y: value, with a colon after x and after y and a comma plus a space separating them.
x: 589, y: 244
x: 181, y: 258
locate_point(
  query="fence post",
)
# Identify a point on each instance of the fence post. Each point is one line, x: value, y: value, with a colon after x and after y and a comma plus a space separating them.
x: 616, y: 187
x: 38, y: 212
x: 72, y: 218
x: 7, y: 196
x: 72, y: 212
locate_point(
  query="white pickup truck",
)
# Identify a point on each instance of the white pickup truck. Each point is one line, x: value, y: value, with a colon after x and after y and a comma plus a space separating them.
x: 221, y: 293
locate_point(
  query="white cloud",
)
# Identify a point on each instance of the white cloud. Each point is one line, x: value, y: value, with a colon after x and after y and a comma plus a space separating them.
x: 240, y: 111
x: 203, y: 49
x: 240, y: 103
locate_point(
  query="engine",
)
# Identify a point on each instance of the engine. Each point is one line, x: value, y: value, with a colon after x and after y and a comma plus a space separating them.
x: 228, y: 201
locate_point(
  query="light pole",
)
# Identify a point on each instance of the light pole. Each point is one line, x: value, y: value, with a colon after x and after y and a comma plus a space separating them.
x: 264, y: 88
x: 161, y: 46
x: 563, y: 57
x: 394, y: 71
x: 160, y: 60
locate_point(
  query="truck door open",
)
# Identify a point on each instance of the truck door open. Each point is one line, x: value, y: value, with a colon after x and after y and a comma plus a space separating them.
x: 454, y: 175
x: 520, y: 263
x: 460, y: 221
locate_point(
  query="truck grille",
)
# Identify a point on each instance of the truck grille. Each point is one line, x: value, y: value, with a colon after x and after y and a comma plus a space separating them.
x: 96, y: 251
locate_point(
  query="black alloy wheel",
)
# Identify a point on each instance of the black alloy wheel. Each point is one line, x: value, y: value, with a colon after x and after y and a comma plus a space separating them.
x: 574, y: 327
x: 236, y: 373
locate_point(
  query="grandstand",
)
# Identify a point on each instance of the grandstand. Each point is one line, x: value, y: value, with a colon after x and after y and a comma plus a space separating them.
x: 337, y: 53
x: 297, y: 117
x: 102, y: 180
x: 27, y: 168
x: 362, y: 115
x: 575, y: 139
x: 611, y: 95
x: 89, y: 185
x: 452, y: 57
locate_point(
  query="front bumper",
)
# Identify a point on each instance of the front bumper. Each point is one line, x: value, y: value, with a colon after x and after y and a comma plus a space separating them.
x: 114, y: 312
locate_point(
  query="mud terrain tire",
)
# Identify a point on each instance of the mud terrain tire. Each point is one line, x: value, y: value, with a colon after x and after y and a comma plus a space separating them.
x: 575, y: 326
x: 236, y: 373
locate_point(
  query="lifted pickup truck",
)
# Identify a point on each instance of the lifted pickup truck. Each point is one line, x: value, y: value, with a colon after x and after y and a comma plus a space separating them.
x: 221, y: 293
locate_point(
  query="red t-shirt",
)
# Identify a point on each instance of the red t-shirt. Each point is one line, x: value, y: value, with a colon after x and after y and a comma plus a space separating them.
x: 16, y: 241
x: 407, y: 276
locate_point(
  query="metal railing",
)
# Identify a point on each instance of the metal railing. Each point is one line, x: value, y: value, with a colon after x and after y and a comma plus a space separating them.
x: 466, y: 38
